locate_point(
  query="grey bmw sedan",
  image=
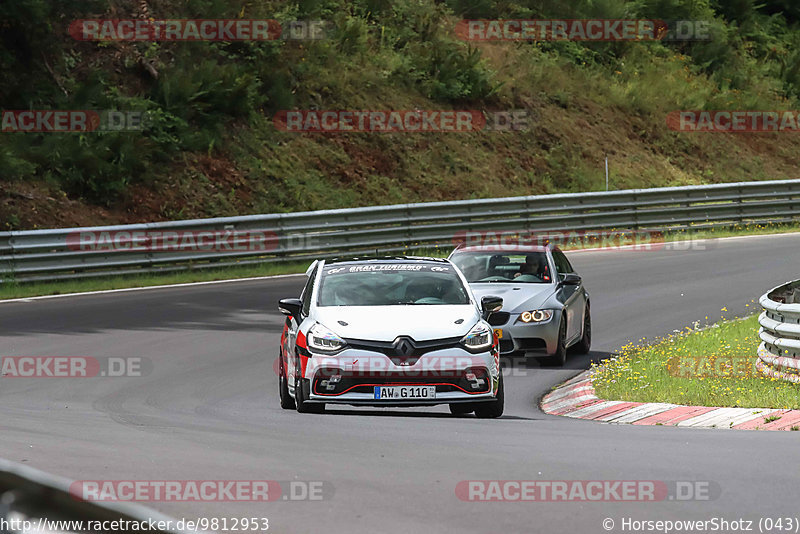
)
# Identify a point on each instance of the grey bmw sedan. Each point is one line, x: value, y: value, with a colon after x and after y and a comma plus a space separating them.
x: 545, y: 304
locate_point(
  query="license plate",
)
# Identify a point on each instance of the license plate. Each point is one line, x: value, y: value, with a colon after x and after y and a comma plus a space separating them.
x: 499, y: 333
x: 405, y: 392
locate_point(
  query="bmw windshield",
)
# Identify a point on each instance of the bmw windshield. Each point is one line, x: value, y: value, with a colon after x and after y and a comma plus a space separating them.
x: 518, y: 268
x: 389, y: 284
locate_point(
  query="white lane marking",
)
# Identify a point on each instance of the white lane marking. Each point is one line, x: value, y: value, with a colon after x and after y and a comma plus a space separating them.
x: 143, y: 288
x: 722, y: 417
x: 745, y: 419
x: 640, y: 412
x: 569, y: 402
x: 663, y: 244
x: 567, y: 391
x: 587, y: 411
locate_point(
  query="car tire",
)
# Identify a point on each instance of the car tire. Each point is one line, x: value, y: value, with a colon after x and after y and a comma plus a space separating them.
x: 585, y: 344
x: 302, y: 405
x: 492, y: 409
x: 461, y: 408
x: 287, y: 402
x: 559, y: 358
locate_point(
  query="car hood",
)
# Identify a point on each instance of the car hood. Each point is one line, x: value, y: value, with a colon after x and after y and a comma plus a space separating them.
x: 516, y: 297
x: 384, y: 323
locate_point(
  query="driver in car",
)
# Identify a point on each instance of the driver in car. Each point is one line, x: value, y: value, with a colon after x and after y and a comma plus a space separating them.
x: 534, y: 265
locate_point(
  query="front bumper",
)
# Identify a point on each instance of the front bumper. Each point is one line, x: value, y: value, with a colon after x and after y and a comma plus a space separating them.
x: 532, y: 339
x: 351, y: 377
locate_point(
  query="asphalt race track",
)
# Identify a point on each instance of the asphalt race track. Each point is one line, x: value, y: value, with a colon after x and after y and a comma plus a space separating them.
x: 209, y: 408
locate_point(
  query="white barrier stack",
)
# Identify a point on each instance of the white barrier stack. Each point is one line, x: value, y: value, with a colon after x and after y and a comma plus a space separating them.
x: 779, y: 352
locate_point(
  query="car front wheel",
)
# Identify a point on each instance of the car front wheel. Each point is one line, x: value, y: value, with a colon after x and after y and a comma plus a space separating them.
x: 492, y: 409
x: 585, y: 344
x: 461, y: 408
x: 287, y: 402
x: 303, y: 406
x: 559, y: 358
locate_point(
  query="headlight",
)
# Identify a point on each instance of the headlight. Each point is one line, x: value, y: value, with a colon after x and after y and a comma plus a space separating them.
x: 535, y: 316
x: 479, y: 338
x: 322, y: 339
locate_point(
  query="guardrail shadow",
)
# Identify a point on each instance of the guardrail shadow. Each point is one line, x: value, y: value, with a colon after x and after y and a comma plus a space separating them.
x: 578, y: 362
x: 240, y: 306
x: 412, y: 412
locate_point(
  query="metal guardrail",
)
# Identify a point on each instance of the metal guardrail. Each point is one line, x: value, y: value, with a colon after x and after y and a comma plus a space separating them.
x: 35, y: 501
x: 779, y: 352
x: 63, y: 253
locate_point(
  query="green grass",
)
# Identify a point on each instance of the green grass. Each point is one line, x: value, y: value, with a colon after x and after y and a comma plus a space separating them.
x: 714, y: 366
x: 32, y: 289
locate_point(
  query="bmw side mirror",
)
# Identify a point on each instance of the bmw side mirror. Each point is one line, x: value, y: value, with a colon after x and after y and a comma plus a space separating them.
x: 571, y: 279
x: 290, y: 307
x: 491, y: 304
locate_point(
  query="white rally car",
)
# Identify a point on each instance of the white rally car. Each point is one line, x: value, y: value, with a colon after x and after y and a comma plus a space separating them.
x: 397, y: 331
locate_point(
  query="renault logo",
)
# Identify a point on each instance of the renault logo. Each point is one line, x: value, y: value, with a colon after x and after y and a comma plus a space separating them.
x: 404, y: 346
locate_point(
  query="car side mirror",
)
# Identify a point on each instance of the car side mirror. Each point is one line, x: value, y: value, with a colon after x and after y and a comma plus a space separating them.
x: 290, y: 307
x: 491, y: 304
x: 571, y: 279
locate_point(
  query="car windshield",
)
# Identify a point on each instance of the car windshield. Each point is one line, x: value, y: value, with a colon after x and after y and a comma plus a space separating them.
x: 390, y: 284
x: 524, y: 268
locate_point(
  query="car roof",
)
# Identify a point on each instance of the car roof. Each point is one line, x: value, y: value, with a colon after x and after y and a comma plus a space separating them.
x: 503, y: 248
x: 383, y: 259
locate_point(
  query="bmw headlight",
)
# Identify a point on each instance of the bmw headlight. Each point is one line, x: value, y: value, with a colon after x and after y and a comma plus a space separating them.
x: 322, y: 339
x: 479, y: 338
x: 535, y: 316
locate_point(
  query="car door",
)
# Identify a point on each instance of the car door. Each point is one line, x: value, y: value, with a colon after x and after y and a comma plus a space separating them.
x: 572, y: 296
x: 291, y: 362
